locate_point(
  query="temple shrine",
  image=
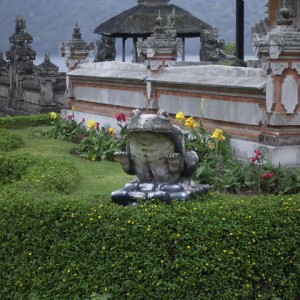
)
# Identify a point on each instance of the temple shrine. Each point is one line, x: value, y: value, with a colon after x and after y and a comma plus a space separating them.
x: 259, y: 107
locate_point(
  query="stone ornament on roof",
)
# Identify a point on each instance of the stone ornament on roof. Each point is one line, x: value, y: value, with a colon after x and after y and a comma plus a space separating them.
x: 162, y: 44
x: 47, y: 67
x: 76, y: 45
x: 284, y: 37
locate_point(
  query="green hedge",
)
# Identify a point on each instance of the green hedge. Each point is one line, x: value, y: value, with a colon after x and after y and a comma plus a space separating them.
x: 216, y: 247
x: 14, y: 122
x: 10, y: 140
x: 24, y: 172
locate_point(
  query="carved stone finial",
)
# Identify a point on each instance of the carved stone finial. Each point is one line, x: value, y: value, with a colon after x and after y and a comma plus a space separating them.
x: 159, y: 19
x: 286, y: 14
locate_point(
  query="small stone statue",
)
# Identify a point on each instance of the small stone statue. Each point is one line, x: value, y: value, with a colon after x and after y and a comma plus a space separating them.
x: 156, y: 155
x: 106, y: 49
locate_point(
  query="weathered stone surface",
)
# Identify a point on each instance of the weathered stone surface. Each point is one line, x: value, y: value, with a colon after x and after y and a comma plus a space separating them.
x: 270, y: 93
x: 112, y: 70
x: 111, y: 97
x: 156, y: 154
x: 222, y: 110
x: 290, y: 94
x: 213, y: 75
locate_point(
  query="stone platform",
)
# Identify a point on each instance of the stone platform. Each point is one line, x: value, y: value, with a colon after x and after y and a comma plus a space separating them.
x: 136, y: 191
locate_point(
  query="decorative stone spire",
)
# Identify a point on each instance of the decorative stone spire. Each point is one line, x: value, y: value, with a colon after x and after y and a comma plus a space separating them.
x: 153, y: 2
x: 285, y: 12
x: 76, y: 50
x: 47, y: 67
x: 162, y: 47
x: 20, y: 54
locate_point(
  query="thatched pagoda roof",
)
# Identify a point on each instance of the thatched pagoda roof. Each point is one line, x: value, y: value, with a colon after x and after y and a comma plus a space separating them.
x: 139, y: 21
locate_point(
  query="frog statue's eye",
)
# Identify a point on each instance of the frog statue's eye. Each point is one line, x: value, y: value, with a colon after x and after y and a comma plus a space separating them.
x: 163, y: 115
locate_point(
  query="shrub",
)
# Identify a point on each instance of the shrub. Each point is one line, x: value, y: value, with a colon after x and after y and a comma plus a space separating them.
x: 217, y: 247
x: 14, y: 122
x: 95, y: 142
x: 25, y: 172
x: 10, y: 140
x: 14, y: 166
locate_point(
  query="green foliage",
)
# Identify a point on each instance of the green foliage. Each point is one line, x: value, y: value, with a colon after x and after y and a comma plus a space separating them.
x: 65, y: 129
x: 95, y: 143
x: 217, y: 247
x: 14, y: 122
x: 99, y: 145
x: 230, y: 48
x: 10, y: 140
x: 26, y: 172
x: 14, y: 166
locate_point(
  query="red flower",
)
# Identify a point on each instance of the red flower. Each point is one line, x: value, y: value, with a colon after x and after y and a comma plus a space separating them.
x: 121, y: 117
x: 258, y: 153
x: 70, y: 117
x: 268, y: 176
x: 97, y: 125
x: 254, y: 159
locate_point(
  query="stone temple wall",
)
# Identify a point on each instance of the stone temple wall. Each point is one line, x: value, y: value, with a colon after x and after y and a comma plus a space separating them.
x: 31, y: 94
x: 231, y: 98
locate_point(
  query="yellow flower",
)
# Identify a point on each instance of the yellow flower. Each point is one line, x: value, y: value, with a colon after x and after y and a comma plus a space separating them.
x: 73, y: 107
x: 91, y: 124
x: 218, y: 135
x: 191, y: 122
x: 180, y: 116
x: 111, y: 131
x: 53, y: 115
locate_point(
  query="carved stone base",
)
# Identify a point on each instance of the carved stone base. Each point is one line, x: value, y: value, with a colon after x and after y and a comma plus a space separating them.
x: 166, y: 192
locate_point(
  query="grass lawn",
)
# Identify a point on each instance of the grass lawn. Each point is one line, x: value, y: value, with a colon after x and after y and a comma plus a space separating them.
x: 98, y: 179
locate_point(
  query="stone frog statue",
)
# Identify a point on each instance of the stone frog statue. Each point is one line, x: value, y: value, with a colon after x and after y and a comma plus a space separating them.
x: 156, y: 155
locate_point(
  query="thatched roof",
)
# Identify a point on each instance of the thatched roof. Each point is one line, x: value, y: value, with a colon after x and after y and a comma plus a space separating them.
x: 139, y: 21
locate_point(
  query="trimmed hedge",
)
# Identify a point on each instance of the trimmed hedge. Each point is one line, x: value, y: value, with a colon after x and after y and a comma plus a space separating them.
x: 24, y: 172
x: 10, y: 140
x: 217, y: 247
x: 15, y: 122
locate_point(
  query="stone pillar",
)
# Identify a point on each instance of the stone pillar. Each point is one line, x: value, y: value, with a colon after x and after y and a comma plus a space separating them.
x: 279, y: 53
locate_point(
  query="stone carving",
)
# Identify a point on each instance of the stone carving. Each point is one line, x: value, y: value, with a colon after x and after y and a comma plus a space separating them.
x: 162, y: 47
x: 3, y: 63
x: 76, y: 46
x: 213, y: 50
x: 106, y: 49
x: 21, y: 55
x: 283, y: 38
x: 47, y: 67
x: 156, y: 155
x: 278, y: 68
x: 289, y: 94
x: 291, y: 5
x: 296, y: 66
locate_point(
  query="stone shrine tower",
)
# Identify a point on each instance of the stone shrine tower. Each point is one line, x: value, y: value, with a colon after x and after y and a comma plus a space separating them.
x: 279, y: 52
x: 162, y: 47
x: 76, y: 50
x: 20, y: 55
